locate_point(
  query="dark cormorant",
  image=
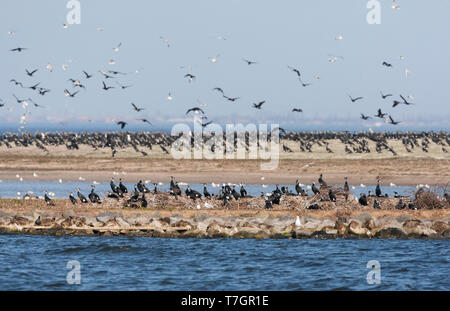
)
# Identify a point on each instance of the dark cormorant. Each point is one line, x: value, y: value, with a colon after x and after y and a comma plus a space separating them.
x: 258, y: 105
x: 249, y: 62
x: 378, y: 189
x: 140, y: 185
x: 174, y: 188
x: 355, y: 99
x: 268, y: 204
x: 313, y: 206
x: 331, y: 195
x: 235, y: 194
x: 114, y: 188
x: 143, y: 200
x: 299, y: 189
x: 113, y: 195
x: 48, y: 200
x: 412, y: 206
x: 94, y: 196
x: 376, y: 204
x: 447, y: 197
x: 277, y: 190
x: 314, y: 189
x: 122, y: 124
x: 135, y: 196
x: 72, y: 199
x: 346, y: 189
x: 205, y: 192
x: 243, y: 191
x: 363, y: 199
x: 380, y: 114
x: 81, y: 196
x: 122, y: 186
x: 400, y: 205
x: 193, y: 194
x: 322, y: 182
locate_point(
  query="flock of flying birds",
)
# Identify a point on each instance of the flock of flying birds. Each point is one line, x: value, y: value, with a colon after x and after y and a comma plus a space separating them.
x: 111, y: 75
x: 380, y: 114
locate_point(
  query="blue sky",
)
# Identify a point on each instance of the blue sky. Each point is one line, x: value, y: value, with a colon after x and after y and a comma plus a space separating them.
x: 273, y: 33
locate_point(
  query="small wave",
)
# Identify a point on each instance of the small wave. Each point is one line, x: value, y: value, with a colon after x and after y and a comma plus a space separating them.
x: 96, y: 248
x: 341, y: 288
x: 55, y: 285
x: 166, y: 281
x: 118, y: 249
x: 66, y: 250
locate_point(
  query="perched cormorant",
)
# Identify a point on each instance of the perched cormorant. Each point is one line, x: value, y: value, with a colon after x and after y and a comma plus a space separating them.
x: 122, y: 186
x: 400, y: 205
x: 243, y: 191
x: 174, y: 188
x: 113, y: 195
x: 412, y: 206
x: 48, y: 200
x: 376, y: 204
x: 314, y: 206
x: 235, y: 194
x: 314, y: 189
x: 268, y: 203
x: 322, y: 182
x: 94, y: 196
x: 143, y: 200
x: 363, y: 199
x: 297, y: 187
x: 346, y: 189
x: 331, y: 195
x: 447, y: 197
x: 378, y: 189
x: 140, y: 186
x: 193, y: 194
x: 81, y: 196
x: 114, y: 188
x: 72, y: 199
x: 205, y: 192
x: 135, y: 196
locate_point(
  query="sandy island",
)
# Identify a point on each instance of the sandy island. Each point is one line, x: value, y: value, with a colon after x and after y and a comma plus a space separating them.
x: 248, y: 218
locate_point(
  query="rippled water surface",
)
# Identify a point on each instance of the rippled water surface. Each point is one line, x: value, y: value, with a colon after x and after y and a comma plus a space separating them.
x: 126, y: 263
